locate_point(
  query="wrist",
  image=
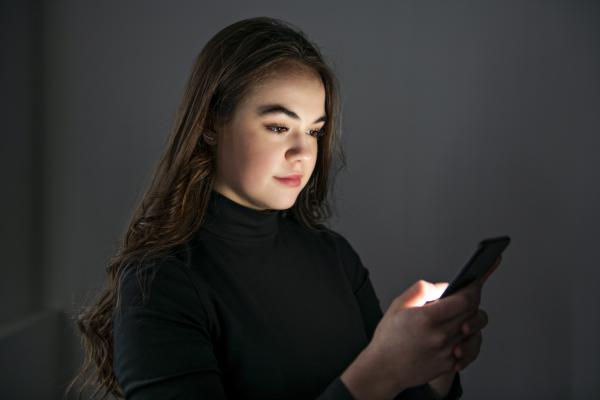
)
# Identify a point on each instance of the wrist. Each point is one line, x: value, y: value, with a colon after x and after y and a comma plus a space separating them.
x: 366, y: 378
x: 441, y: 385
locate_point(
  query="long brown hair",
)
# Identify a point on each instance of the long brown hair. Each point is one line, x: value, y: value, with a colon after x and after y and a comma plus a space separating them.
x: 173, y: 207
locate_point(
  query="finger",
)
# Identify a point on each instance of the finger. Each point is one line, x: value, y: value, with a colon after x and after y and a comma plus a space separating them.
x: 446, y: 309
x: 416, y: 295
x: 470, y: 352
x: 487, y: 274
x: 435, y: 291
x: 460, y: 328
x: 476, y: 323
x: 473, y: 293
x: 440, y: 287
x: 467, y: 351
x: 458, y: 305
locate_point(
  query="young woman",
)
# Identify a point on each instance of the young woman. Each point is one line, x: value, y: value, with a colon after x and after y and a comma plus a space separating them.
x: 229, y: 286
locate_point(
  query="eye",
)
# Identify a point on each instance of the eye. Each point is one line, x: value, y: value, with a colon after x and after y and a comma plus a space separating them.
x: 277, y: 129
x: 318, y: 133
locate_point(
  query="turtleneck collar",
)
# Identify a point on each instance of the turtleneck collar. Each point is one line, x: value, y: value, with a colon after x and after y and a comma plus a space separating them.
x: 230, y: 220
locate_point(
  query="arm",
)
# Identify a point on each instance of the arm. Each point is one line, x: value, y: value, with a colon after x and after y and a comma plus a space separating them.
x: 162, y: 345
x: 441, y: 385
x: 428, y: 392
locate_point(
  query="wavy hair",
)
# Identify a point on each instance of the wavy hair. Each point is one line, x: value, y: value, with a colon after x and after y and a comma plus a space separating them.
x: 173, y: 207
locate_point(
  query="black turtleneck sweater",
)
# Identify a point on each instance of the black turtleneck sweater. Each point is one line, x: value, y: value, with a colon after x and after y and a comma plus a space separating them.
x: 255, y: 306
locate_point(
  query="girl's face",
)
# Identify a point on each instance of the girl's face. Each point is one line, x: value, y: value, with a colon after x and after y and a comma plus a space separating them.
x: 252, y: 151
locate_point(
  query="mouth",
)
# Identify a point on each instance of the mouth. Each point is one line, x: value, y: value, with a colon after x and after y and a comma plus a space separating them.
x: 291, y: 176
x: 293, y: 181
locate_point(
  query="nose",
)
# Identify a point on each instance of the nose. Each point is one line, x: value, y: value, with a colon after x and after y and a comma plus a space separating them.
x: 302, y: 146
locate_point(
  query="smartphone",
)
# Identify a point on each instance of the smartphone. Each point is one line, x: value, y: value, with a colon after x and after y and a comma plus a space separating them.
x: 480, y: 264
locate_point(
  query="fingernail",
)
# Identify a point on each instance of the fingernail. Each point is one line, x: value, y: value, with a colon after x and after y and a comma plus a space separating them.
x: 466, y: 329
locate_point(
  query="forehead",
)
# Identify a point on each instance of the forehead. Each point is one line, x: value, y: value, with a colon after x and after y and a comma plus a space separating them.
x: 302, y: 89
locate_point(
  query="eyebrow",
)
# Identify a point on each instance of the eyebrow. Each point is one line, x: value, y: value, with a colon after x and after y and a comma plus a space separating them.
x: 278, y: 108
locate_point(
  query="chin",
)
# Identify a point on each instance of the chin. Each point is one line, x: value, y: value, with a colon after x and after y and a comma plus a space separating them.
x: 283, y: 203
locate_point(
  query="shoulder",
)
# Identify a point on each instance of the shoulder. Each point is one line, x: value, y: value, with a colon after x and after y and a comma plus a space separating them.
x: 349, y: 258
x: 339, y: 241
x: 160, y: 284
x: 333, y: 241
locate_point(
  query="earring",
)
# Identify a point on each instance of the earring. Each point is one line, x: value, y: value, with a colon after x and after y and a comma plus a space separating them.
x: 209, y: 138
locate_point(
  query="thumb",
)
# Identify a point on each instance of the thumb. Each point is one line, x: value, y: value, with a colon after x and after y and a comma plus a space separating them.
x: 437, y: 291
x: 420, y: 293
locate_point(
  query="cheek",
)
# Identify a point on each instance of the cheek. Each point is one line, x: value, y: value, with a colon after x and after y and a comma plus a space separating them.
x: 257, y: 162
x: 260, y: 166
x: 313, y: 158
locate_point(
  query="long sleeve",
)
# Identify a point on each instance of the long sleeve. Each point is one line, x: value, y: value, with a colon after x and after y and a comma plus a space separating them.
x: 162, y: 346
x: 424, y: 391
x: 372, y: 314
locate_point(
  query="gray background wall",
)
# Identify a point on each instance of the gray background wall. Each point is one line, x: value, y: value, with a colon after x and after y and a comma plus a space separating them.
x: 462, y: 120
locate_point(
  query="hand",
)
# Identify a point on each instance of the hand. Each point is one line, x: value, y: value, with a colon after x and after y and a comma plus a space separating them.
x: 467, y: 351
x: 414, y: 341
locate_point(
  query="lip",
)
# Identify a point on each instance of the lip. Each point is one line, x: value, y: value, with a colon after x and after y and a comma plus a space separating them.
x: 293, y: 181
x: 291, y: 176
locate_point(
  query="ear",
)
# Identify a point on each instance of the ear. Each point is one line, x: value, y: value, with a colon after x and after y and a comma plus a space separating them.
x: 209, y: 137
